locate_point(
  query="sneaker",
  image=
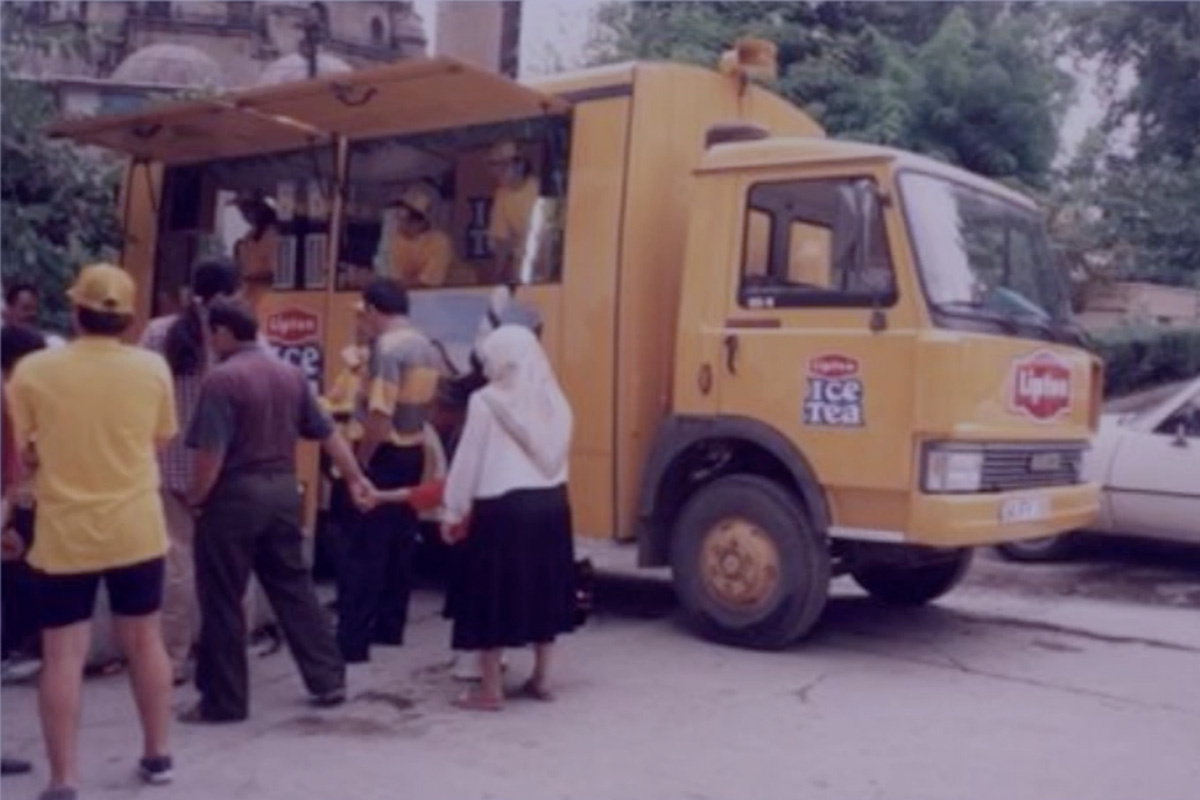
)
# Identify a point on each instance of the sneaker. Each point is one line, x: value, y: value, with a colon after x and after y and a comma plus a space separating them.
x: 59, y: 793
x: 15, y: 766
x: 19, y: 669
x: 329, y: 699
x: 157, y: 771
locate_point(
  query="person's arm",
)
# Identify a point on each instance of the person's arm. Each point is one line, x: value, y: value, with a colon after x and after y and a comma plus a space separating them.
x: 20, y: 411
x: 166, y: 426
x: 462, y: 481
x: 315, y: 425
x: 212, y: 428
x: 383, y: 387
x: 437, y: 266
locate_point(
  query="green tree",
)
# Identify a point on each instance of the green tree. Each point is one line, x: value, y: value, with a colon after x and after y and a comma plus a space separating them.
x: 1140, y: 216
x: 57, y: 203
x: 974, y: 84
x: 1160, y: 41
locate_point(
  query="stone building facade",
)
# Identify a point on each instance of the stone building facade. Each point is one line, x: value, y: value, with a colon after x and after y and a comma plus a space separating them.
x: 123, y: 51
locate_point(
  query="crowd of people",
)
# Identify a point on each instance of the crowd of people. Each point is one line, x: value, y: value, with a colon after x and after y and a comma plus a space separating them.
x: 166, y: 471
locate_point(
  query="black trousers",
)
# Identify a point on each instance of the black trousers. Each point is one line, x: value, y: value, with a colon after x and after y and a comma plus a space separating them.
x: 377, y: 560
x: 18, y: 603
x: 252, y: 523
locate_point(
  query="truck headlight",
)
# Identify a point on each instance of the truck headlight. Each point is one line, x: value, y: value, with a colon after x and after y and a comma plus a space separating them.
x: 951, y: 470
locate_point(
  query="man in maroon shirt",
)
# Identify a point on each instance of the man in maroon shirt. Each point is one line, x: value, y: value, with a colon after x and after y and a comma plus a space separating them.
x: 253, y: 409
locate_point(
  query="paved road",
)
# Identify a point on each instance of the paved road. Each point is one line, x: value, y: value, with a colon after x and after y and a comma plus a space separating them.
x: 1020, y: 685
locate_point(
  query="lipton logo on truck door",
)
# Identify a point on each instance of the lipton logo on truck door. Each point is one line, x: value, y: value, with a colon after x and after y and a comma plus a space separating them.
x: 295, y: 334
x: 835, y: 392
x: 1040, y: 386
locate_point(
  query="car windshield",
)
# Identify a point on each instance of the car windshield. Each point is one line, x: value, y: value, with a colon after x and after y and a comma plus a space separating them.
x: 983, y: 256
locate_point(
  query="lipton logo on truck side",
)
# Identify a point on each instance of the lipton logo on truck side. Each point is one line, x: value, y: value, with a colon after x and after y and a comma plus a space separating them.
x: 835, y: 392
x: 1041, y: 386
x: 292, y: 326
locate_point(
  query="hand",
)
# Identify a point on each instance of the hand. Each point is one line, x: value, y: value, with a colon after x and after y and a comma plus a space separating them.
x: 454, y: 532
x: 12, y: 546
x: 363, y: 493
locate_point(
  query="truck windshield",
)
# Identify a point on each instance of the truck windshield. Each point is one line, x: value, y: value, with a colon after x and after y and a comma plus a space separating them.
x: 983, y: 258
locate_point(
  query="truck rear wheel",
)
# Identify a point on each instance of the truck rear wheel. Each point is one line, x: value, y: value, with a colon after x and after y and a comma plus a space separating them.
x: 912, y: 583
x: 749, y: 567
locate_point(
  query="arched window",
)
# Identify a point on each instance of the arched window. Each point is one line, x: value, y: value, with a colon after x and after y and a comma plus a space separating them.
x: 376, y: 31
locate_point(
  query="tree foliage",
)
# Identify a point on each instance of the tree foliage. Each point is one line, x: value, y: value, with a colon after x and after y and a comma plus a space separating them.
x: 1140, y: 206
x: 974, y: 84
x: 57, y: 203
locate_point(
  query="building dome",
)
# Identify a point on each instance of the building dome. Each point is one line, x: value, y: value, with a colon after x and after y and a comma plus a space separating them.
x: 294, y: 67
x: 170, y: 65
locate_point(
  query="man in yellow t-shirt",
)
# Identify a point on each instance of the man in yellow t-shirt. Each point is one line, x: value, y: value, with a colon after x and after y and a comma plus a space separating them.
x: 419, y: 254
x: 512, y: 206
x: 95, y: 411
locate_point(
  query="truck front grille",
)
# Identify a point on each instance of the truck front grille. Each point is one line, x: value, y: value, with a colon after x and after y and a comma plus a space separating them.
x: 1013, y: 467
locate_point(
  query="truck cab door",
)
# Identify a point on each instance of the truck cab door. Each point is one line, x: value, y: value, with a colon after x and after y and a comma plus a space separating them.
x: 816, y: 343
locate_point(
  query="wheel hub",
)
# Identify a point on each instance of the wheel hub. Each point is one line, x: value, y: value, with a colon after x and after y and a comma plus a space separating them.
x: 739, y: 563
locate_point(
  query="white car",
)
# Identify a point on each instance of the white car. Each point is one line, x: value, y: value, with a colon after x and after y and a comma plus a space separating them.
x: 1147, y: 461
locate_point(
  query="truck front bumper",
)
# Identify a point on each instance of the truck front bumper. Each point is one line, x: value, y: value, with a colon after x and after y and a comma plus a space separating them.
x: 967, y: 520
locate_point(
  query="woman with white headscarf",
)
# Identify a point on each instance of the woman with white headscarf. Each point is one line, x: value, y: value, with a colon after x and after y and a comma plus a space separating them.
x: 505, y: 499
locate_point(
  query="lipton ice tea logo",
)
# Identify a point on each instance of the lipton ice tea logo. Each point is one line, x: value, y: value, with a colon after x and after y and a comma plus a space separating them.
x: 835, y: 392
x: 292, y: 326
x: 1041, y: 386
x: 295, y: 334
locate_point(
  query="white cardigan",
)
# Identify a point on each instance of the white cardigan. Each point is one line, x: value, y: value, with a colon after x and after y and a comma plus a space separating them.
x: 488, y: 463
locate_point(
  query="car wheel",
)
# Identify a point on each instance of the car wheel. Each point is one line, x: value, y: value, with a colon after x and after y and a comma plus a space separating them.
x: 1045, y: 548
x: 749, y: 567
x: 912, y: 584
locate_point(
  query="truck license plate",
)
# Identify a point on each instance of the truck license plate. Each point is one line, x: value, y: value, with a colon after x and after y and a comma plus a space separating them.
x: 1024, y: 509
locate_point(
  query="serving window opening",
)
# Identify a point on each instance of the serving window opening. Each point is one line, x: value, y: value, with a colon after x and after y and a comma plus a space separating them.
x: 476, y: 206
x: 270, y: 214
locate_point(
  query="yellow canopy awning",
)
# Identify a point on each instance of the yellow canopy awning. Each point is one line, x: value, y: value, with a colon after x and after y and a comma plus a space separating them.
x: 412, y: 96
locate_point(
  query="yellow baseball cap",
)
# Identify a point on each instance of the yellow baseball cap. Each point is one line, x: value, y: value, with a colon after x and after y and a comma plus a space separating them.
x: 105, y: 288
x: 417, y: 200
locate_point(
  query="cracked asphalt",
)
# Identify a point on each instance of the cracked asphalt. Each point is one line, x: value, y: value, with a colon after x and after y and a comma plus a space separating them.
x: 1064, y: 681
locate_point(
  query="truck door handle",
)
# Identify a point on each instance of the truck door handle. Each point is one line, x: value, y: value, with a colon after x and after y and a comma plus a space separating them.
x: 731, y: 353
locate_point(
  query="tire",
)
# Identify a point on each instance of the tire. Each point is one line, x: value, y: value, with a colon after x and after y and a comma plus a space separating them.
x: 1046, y: 548
x: 909, y: 584
x: 783, y: 565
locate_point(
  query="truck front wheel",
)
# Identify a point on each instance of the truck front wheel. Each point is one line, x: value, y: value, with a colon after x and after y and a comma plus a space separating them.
x: 749, y: 567
x: 912, y: 582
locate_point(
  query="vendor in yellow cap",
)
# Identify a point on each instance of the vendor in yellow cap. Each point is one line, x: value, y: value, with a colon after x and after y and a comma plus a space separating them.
x: 419, y: 254
x: 512, y: 206
x: 257, y: 253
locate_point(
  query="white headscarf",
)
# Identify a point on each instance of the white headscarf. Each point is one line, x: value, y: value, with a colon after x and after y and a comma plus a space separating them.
x: 526, y: 398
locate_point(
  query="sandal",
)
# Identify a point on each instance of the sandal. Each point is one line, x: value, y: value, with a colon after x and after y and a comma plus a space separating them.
x: 477, y: 701
x: 536, y: 691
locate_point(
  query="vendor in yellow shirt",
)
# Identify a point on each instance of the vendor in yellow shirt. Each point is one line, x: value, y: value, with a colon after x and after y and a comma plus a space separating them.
x: 512, y: 206
x: 419, y: 254
x: 257, y: 253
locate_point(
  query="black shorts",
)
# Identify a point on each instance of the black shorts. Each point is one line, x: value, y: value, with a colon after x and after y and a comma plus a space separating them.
x: 133, y: 591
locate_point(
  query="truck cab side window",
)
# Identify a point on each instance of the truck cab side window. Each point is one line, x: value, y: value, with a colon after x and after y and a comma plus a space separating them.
x: 814, y: 243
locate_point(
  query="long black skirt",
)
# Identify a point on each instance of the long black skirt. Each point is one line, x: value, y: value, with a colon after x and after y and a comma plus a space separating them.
x: 515, y: 582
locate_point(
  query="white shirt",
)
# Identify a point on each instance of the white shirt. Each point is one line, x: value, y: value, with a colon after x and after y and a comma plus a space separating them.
x: 489, y: 463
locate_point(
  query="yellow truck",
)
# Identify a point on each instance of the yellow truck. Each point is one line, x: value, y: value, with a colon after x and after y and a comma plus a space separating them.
x: 789, y: 357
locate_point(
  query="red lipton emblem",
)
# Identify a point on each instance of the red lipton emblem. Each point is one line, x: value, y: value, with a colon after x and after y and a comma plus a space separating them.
x: 292, y: 326
x: 833, y: 366
x: 1041, y: 386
